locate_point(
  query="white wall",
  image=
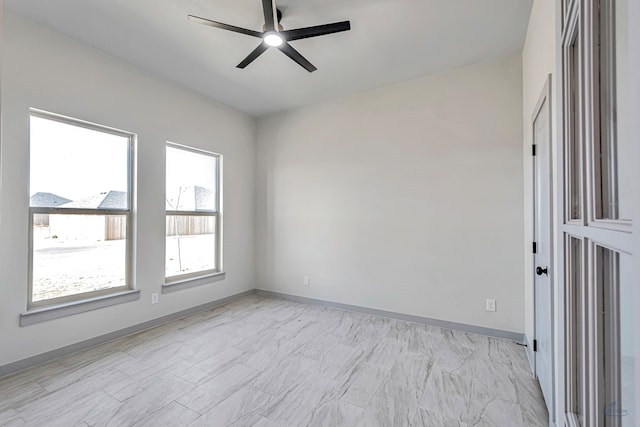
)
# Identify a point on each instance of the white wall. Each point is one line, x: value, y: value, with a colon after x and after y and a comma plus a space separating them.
x: 538, y: 61
x: 45, y: 70
x: 407, y: 198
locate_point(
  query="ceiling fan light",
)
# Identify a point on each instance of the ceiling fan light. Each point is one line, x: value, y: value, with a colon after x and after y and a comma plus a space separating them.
x: 273, y: 39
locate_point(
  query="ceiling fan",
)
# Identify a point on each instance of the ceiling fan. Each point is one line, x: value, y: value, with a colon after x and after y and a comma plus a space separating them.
x: 273, y: 35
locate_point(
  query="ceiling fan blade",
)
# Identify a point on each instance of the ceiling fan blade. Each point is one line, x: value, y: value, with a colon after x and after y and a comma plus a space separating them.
x: 253, y: 55
x: 318, y: 30
x: 269, y: 17
x: 297, y: 57
x: 228, y: 27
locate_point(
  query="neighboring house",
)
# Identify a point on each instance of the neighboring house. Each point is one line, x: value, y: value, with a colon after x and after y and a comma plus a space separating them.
x: 93, y: 227
x: 45, y: 200
x: 191, y: 198
x: 104, y: 200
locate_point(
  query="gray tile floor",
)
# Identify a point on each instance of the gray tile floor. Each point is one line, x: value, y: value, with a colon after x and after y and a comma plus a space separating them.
x: 269, y: 362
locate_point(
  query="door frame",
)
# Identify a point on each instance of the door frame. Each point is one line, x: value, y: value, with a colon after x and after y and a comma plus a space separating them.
x: 545, y: 97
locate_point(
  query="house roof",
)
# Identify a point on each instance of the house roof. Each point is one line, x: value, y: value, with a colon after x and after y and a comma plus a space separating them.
x: 47, y: 200
x: 104, y: 200
x: 191, y: 198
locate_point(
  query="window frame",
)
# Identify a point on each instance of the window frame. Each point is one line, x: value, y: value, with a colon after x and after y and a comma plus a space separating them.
x: 607, y: 327
x: 576, y: 335
x: 601, y: 381
x: 605, y: 132
x: 566, y: 8
x: 83, y: 296
x: 180, y: 279
x: 573, y: 117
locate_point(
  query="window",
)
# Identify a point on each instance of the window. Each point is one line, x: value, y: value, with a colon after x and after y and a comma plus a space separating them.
x: 79, y: 211
x: 573, y: 134
x: 616, y: 364
x: 600, y: 340
x: 576, y: 303
x: 192, y: 246
x: 612, y: 151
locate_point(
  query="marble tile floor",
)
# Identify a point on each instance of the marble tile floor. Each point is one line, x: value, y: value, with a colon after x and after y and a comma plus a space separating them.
x: 270, y: 362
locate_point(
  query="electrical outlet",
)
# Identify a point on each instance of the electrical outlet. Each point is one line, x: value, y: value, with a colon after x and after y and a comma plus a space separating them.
x: 491, y: 305
x: 307, y: 281
x: 154, y: 298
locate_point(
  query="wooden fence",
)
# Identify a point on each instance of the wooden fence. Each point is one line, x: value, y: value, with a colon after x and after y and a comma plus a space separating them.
x: 190, y: 225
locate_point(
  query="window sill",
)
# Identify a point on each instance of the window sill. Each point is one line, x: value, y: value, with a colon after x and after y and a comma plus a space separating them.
x: 44, y: 314
x: 180, y: 284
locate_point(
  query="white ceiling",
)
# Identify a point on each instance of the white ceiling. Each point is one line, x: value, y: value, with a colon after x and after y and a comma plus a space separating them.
x: 390, y: 41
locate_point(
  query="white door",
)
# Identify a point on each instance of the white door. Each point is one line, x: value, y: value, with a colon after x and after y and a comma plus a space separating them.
x: 543, y: 247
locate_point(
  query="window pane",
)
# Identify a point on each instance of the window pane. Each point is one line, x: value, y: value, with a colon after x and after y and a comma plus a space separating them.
x: 574, y: 134
x: 191, y: 181
x: 74, y: 254
x: 75, y: 167
x: 627, y: 343
x: 577, y: 321
x: 191, y: 244
x: 615, y: 156
x: 615, y: 283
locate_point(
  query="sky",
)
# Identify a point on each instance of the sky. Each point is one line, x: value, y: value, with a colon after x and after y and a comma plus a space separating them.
x: 76, y: 163
x: 186, y: 168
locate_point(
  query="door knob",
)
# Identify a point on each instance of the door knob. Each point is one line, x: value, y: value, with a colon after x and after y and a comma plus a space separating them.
x: 540, y: 271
